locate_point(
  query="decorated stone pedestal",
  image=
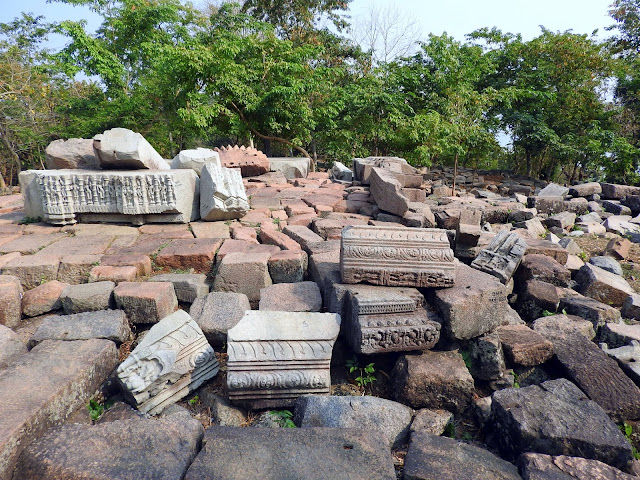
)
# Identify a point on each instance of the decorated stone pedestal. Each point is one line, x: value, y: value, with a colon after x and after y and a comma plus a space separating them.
x: 274, y: 357
x: 396, y: 256
x: 173, y: 359
x: 63, y: 197
x: 222, y: 194
x: 502, y: 257
x: 384, y: 319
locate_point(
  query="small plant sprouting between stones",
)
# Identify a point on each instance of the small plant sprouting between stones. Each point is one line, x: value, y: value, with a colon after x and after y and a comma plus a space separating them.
x: 96, y: 409
x: 194, y: 400
x: 583, y: 256
x: 627, y: 430
x: 284, y: 418
x: 466, y: 356
x: 366, y: 376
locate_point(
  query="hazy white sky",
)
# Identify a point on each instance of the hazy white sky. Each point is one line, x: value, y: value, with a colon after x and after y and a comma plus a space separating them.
x: 455, y: 17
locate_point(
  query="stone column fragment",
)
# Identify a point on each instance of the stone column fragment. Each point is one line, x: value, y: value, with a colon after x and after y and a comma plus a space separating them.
x: 222, y: 194
x: 396, y: 256
x: 274, y: 357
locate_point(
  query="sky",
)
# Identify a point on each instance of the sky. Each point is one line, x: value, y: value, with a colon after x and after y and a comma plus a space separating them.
x: 457, y: 18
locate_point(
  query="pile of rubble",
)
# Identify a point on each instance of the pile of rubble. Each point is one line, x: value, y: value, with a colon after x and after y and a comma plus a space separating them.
x: 212, y: 290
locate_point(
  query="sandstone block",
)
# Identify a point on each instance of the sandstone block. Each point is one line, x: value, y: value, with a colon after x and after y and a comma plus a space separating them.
x: 196, y: 253
x: 524, y: 346
x: 147, y: 302
x: 217, y: 312
x: 288, y: 266
x: 120, y: 148
x: 196, y: 159
x: 75, y: 153
x: 188, y: 286
x: 74, y: 269
x: 291, y: 297
x: 246, y: 273
x: 544, y: 269
x: 603, y: 286
x: 222, y: 194
x: 43, y: 298
x: 10, y: 301
x: 87, y: 297
x: 11, y: 347
x: 250, y: 161
x: 502, y: 257
x: 116, y: 275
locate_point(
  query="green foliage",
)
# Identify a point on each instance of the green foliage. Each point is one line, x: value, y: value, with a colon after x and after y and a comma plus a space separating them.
x: 194, y: 400
x: 29, y: 220
x: 547, y: 313
x: 627, y: 431
x: 366, y: 375
x: 95, y: 409
x: 450, y: 430
x: 284, y: 418
x: 466, y: 356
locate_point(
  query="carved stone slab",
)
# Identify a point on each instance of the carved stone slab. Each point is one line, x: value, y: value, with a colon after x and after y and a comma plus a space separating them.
x: 274, y: 357
x: 396, y: 256
x: 502, y: 257
x: 173, y: 359
x: 138, y: 196
x: 222, y: 194
x: 390, y: 320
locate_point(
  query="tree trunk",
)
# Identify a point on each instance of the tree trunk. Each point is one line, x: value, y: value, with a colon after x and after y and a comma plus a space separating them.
x: 455, y: 174
x: 528, y: 163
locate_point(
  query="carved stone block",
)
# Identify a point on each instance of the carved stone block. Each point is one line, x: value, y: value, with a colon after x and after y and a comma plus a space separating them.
x: 222, y: 194
x: 138, y: 196
x: 396, y: 256
x: 173, y: 359
x: 195, y: 159
x: 502, y: 257
x: 383, y: 320
x: 274, y: 357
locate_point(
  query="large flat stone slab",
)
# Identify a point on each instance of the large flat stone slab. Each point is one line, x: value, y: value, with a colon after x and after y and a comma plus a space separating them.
x: 536, y: 466
x: 291, y: 454
x: 119, y: 450
x: 44, y: 388
x: 274, y: 357
x: 61, y: 197
x: 397, y: 256
x: 556, y: 418
x: 604, y: 286
x: 432, y: 457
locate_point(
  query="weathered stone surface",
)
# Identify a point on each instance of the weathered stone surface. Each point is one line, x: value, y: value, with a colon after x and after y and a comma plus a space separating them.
x: 59, y: 196
x: 244, y: 247
x: 391, y: 419
x: 217, y: 312
x: 44, y: 388
x: 11, y: 347
x: 107, y: 273
x: 524, y: 346
x: 210, y: 230
x: 146, y: 302
x: 341, y: 172
x: 397, y: 256
x: 172, y: 360
x: 302, y: 235
x: 603, y: 286
x: 196, y: 159
x: 250, y: 161
x: 246, y: 273
x: 536, y: 466
x: 119, y: 450
x: 475, y: 305
x: 535, y: 297
x: 268, y: 453
x: 387, y: 192
x: 538, y: 246
x: 617, y: 192
x: 109, y: 325
x: 379, y: 320
x: 222, y: 412
x: 222, y: 194
x: 141, y: 262
x: 631, y: 307
x: 486, y: 357
x: 554, y: 190
x: 188, y: 286
x: 585, y: 189
x: 597, y: 375
x: 288, y: 266
x: 79, y: 245
x: 196, y: 253
x: 619, y: 334
x: 544, y: 269
x: 33, y: 270
x: 75, y: 269
x: 431, y: 421
x: 291, y: 297
x: 274, y: 357
x: 502, y: 257
x: 556, y: 418
x: 71, y: 154
x: 618, y: 248
x: 606, y: 263
x: 291, y: 167
x: 590, y: 309
x: 273, y: 237
x: 563, y: 220
x: 433, y: 457
x: 43, y: 298
x: 10, y: 301
x: 628, y: 357
x: 121, y: 148
x: 433, y: 380
x: 87, y: 297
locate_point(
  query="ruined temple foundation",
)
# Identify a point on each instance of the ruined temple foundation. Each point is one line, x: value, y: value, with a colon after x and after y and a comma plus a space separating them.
x: 396, y: 256
x: 274, y: 357
x: 64, y: 197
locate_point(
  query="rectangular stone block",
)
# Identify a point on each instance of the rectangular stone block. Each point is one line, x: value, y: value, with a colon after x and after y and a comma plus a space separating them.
x: 390, y: 319
x: 61, y: 197
x: 387, y: 192
x: 502, y: 257
x: 396, y: 256
x: 222, y: 194
x: 44, y: 388
x: 274, y: 357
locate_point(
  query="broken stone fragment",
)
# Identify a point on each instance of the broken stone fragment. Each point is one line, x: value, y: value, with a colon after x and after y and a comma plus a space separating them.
x: 121, y: 148
x: 173, y: 359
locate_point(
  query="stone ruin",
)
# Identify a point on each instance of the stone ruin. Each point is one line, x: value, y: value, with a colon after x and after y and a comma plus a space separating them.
x: 475, y: 307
